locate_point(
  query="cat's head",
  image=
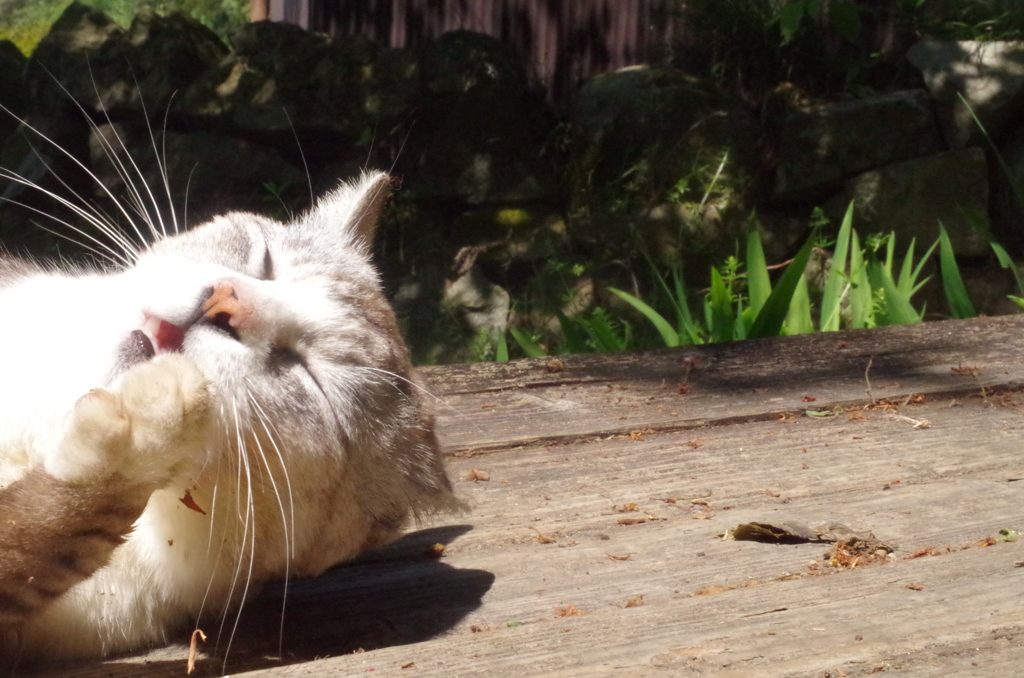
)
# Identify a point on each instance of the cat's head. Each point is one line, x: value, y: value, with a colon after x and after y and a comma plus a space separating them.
x: 318, y: 410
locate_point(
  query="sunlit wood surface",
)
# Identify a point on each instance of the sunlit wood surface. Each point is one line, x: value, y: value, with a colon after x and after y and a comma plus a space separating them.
x: 553, y: 572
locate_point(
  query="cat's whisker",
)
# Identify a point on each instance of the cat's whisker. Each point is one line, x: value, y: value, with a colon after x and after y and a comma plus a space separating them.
x: 273, y: 485
x: 135, y: 199
x: 134, y: 195
x: 242, y: 521
x: 373, y: 140
x: 188, y: 186
x: 79, y: 163
x: 289, y: 539
x: 302, y: 155
x: 102, y: 254
x: 159, y: 160
x: 214, y: 510
x: 423, y: 390
x: 290, y: 525
x: 248, y: 528
x: 89, y: 212
x: 394, y: 162
x: 104, y: 247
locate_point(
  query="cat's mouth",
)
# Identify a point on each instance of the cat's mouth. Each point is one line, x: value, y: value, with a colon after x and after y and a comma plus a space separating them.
x: 163, y: 337
x: 154, y: 337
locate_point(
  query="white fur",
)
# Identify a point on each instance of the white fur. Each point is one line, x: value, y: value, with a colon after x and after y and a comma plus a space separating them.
x: 307, y: 455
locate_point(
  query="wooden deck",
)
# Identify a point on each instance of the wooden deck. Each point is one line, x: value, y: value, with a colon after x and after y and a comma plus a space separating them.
x: 593, y: 548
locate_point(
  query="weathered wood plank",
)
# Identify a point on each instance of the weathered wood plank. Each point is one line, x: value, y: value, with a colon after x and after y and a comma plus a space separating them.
x: 791, y: 622
x: 601, y: 395
x: 562, y: 463
x: 853, y: 622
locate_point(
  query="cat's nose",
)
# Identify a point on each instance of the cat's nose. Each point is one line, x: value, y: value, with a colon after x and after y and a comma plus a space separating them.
x: 227, y: 303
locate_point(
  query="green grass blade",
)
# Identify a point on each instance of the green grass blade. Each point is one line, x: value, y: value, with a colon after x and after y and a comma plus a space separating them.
x: 890, y: 252
x: 832, y: 297
x: 960, y: 305
x: 686, y: 325
x: 798, y: 319
x: 898, y: 310
x: 758, y: 284
x: 920, y: 266
x: 599, y: 327
x: 740, y: 328
x: 1008, y: 174
x: 768, y: 322
x: 686, y: 329
x: 501, y: 352
x: 659, y: 278
x: 529, y: 347
x: 668, y: 334
x: 914, y: 290
x: 1005, y: 260
x: 904, y: 282
x: 861, y: 308
x: 722, y: 320
x: 575, y: 337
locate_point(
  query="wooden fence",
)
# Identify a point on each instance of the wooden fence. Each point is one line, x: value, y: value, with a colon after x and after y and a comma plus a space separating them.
x: 563, y: 40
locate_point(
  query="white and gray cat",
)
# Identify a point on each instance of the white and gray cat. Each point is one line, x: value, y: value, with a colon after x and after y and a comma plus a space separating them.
x: 234, y: 405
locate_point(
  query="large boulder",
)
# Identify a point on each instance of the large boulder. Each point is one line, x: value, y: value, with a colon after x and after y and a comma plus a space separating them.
x: 1008, y: 191
x: 87, y: 59
x: 206, y: 174
x: 988, y: 75
x: 910, y: 198
x: 658, y: 150
x: 816, y: 148
x: 13, y: 97
x: 282, y: 80
x: 481, y: 126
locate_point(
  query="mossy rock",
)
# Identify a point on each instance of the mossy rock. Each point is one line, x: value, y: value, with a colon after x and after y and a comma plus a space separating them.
x: 89, y: 59
x: 649, y: 137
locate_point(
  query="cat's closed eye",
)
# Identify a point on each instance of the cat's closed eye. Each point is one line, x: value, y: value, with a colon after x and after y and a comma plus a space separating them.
x: 284, y: 358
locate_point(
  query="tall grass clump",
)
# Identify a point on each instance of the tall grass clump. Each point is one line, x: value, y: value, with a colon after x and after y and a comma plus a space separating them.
x: 865, y: 285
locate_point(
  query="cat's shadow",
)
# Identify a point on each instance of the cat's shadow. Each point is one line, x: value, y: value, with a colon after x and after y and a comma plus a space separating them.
x: 398, y: 594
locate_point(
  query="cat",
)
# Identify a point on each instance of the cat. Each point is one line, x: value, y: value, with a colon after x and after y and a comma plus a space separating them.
x: 226, y: 407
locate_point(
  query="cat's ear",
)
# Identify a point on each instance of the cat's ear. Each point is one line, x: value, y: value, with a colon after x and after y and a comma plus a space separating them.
x: 358, y: 206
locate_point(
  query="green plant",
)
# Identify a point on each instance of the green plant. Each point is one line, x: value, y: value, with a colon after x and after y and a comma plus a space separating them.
x: 960, y: 305
x: 842, y: 15
x: 599, y: 331
x: 972, y: 19
x: 866, y: 286
x: 825, y: 46
x: 25, y: 22
x: 1018, y: 195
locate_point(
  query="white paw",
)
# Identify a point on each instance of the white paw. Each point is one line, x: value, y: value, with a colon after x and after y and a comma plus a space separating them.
x: 151, y: 427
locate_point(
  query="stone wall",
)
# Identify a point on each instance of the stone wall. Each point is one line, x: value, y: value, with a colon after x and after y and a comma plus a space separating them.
x: 500, y: 193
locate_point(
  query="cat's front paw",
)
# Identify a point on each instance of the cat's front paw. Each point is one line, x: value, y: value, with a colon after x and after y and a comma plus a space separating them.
x: 97, y: 431
x: 170, y: 405
x: 149, y: 428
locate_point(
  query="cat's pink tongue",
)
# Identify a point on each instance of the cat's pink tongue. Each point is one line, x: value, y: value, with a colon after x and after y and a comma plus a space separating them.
x: 166, y: 337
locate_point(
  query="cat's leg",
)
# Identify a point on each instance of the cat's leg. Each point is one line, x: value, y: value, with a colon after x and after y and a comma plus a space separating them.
x: 62, y: 521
